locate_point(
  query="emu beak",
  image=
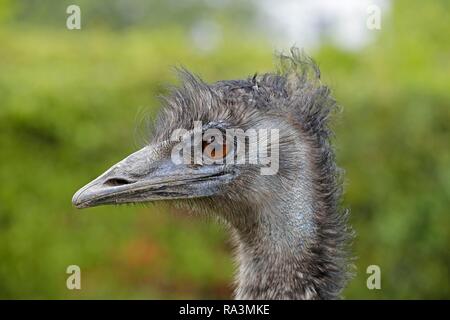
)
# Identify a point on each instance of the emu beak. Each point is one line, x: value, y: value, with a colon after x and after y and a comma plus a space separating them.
x: 142, y: 177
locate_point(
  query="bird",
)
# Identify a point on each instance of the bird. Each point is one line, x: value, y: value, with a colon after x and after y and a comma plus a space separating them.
x: 290, y: 231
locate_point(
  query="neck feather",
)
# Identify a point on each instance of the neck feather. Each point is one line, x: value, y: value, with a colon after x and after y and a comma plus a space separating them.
x: 273, y: 263
x: 293, y: 247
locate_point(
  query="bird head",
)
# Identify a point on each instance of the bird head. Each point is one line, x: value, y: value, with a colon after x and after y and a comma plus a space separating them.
x: 226, y: 145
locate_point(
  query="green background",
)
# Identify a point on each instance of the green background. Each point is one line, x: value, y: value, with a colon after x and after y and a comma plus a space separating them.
x: 72, y: 103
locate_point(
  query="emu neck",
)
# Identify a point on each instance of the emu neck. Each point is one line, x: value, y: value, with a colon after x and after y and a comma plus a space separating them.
x: 273, y: 257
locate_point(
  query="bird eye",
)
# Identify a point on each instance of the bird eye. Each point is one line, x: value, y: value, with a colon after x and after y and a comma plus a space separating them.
x: 214, y: 150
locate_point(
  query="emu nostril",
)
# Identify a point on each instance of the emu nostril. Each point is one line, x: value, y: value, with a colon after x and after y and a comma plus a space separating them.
x: 117, y: 182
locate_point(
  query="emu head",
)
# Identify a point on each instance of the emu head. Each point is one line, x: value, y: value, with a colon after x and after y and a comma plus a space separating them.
x: 286, y: 110
x: 279, y: 191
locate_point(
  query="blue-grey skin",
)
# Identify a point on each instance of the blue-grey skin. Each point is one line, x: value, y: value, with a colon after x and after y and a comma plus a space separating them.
x: 291, y: 235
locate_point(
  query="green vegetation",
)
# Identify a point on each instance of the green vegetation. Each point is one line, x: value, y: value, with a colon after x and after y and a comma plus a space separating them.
x: 69, y: 105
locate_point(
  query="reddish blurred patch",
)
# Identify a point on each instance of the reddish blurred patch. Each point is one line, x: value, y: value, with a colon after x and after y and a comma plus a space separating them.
x: 139, y: 252
x: 140, y: 258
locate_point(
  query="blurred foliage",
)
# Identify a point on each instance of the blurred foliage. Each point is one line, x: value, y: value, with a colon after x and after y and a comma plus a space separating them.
x: 69, y: 101
x: 123, y: 14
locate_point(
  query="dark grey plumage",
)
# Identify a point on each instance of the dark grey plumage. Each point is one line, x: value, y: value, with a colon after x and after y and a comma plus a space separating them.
x: 291, y: 234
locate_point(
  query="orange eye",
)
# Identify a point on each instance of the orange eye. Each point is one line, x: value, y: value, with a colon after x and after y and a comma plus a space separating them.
x: 214, y: 150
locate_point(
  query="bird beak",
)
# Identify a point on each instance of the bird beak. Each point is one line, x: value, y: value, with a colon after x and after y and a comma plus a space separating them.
x: 142, y: 177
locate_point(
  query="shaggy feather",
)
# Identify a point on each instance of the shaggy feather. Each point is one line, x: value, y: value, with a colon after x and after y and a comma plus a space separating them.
x: 290, y: 232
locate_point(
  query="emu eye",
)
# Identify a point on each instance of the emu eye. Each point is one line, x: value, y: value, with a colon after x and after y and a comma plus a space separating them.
x: 214, y: 150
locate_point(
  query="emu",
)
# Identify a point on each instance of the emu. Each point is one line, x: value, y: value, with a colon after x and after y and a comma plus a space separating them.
x: 290, y: 232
